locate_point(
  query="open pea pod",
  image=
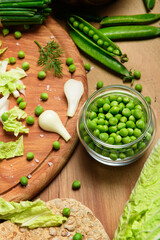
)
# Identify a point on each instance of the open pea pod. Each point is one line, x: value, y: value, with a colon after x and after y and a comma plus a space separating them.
x: 100, y: 55
x: 94, y: 36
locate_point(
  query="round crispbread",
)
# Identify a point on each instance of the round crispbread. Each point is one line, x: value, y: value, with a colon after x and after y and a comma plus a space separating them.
x: 81, y: 220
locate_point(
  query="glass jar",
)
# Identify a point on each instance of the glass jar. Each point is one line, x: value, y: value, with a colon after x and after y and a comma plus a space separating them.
x: 116, y: 154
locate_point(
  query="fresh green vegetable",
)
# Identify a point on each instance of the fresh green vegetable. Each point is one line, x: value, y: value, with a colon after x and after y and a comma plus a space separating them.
x: 140, y: 216
x: 72, y: 68
x: 22, y: 105
x: 20, y: 99
x: 11, y: 149
x: 5, y: 31
x: 131, y: 32
x: 12, y: 124
x: 148, y: 99
x: 137, y: 74
x: 24, y: 181
x: 41, y: 75
x: 99, y: 54
x: 18, y: 34
x: 66, y: 212
x: 49, y: 57
x: 77, y: 236
x: 130, y: 19
x: 30, y: 156
x: 76, y: 185
x: 56, y: 145
x: 99, y: 84
x: 69, y: 61
x: 30, y: 214
x: 4, y: 116
x: 149, y: 4
x: 44, y: 96
x: 138, y: 87
x: 21, y: 54
x: 12, y: 60
x: 25, y: 66
x: 50, y: 121
x: 38, y: 110
x: 87, y: 66
x: 30, y: 120
x: 97, y: 39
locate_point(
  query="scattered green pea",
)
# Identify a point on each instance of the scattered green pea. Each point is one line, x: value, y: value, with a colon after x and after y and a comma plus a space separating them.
x: 56, y: 145
x: 69, y: 61
x: 41, y: 75
x: 20, y: 99
x: 30, y: 156
x: 25, y: 66
x: 12, y: 60
x: 138, y: 87
x: 38, y: 110
x: 77, y: 236
x: 30, y: 120
x: 4, y: 116
x: 76, y: 185
x: 148, y: 99
x: 87, y: 66
x: 99, y: 84
x: 24, y: 181
x: 72, y: 68
x: 66, y: 212
x: 22, y: 105
x: 44, y: 96
x: 17, y: 34
x: 137, y: 74
x: 5, y: 32
x: 21, y: 54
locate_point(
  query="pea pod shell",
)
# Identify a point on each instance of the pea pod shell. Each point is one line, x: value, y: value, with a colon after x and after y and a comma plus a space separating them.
x: 149, y: 4
x: 130, y: 19
x: 99, y: 54
x: 131, y: 32
x: 104, y: 38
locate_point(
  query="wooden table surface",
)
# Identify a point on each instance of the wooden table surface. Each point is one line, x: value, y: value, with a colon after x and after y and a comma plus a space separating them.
x: 105, y: 189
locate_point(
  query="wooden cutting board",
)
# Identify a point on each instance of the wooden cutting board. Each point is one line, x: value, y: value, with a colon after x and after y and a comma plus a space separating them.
x: 39, y: 142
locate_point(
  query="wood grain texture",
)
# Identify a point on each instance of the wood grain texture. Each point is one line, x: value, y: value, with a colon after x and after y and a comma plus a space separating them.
x: 12, y: 170
x: 105, y: 189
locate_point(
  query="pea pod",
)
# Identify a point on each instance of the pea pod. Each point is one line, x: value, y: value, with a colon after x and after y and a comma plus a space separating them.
x: 131, y: 32
x: 95, y: 37
x: 149, y: 4
x: 99, y: 54
x: 130, y: 19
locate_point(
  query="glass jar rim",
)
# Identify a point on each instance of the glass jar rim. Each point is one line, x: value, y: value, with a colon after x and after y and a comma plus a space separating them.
x: 120, y: 87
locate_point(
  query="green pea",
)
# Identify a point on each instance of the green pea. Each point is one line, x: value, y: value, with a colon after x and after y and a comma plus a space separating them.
x: 113, y: 156
x: 12, y: 60
x: 123, y: 132
x: 112, y: 97
x: 76, y: 185
x: 98, y: 150
x: 75, y: 24
x: 44, y: 96
x: 24, y: 181
x: 140, y: 124
x: 118, y: 139
x: 41, y: 75
x: 132, y: 138
x: 71, y: 19
x: 72, y: 68
x: 148, y: 136
x: 17, y: 34
x: 141, y: 145
x: 5, y: 32
x: 114, y: 103
x: 101, y: 115
x: 137, y: 132
x: 106, y: 122
x: 148, y: 99
x: 69, y: 61
x: 104, y: 128
x: 66, y: 212
x: 121, y: 107
x: 129, y: 152
x: 126, y: 112
x: 106, y: 44
x: 22, y: 105
x: 92, y: 115
x: 121, y: 125
x: 126, y: 99
x: 150, y: 130
x: 110, y: 140
x: 25, y: 66
x: 101, y: 121
x: 87, y: 66
x: 105, y: 153
x: 130, y: 131
x: 110, y: 49
x: 130, y: 124
x: 81, y: 26
x: 4, y: 116
x: 138, y: 87
x: 100, y: 42
x: 30, y: 120
x: 132, y: 118
x: 114, y: 110
x: 106, y: 99
x: 138, y: 107
x: 91, y: 125
x: 137, y: 113
x: 106, y: 107
x: 103, y: 136
x: 91, y: 33
x: 137, y: 74
x: 119, y: 99
x: 101, y: 110
x: 100, y: 102
x: 20, y: 99
x: 113, y: 121
x: 94, y: 108
x: 96, y: 132
x: 91, y: 145
x: 56, y: 144
x: 21, y: 54
x: 77, y: 236
x: 135, y: 146
x: 85, y: 29
x: 123, y: 119
x: 112, y: 129
x: 113, y: 135
x: 87, y: 139
x: 122, y: 156
x: 99, y: 84
x: 30, y: 156
x: 95, y: 120
x: 95, y: 37
x: 126, y: 140
x: 38, y: 110
x: 118, y: 116
x: 130, y: 105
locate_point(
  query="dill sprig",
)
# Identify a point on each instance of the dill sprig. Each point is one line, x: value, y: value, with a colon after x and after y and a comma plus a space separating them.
x: 49, y: 57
